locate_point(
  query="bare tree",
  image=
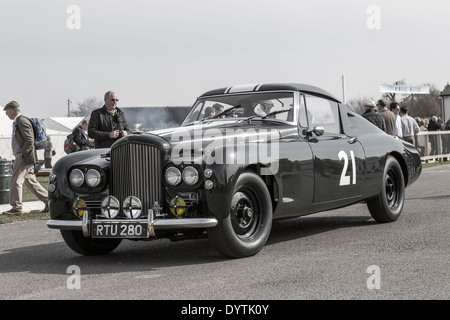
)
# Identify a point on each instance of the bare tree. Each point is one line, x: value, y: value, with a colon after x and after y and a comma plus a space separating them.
x: 86, y: 106
x: 355, y: 104
x: 424, y: 105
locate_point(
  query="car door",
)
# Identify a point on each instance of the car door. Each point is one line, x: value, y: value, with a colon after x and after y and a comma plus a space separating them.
x: 337, y: 158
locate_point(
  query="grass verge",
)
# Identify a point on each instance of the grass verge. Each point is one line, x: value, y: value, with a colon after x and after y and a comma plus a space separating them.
x: 28, y: 215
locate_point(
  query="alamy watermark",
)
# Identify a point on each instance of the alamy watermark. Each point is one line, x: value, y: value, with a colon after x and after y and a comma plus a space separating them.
x: 73, y: 21
x: 74, y: 280
x: 374, y: 20
x: 230, y: 146
x: 374, y: 281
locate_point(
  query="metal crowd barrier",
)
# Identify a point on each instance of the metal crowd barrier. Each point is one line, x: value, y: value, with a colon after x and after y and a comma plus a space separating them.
x: 433, y: 145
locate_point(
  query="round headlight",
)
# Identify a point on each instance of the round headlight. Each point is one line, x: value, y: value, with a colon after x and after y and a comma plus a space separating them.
x: 173, y: 176
x: 76, y: 178
x: 190, y: 175
x: 93, y: 178
x: 110, y: 207
x: 132, y: 207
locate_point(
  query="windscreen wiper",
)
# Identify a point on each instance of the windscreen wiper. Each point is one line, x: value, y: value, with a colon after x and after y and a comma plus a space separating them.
x: 225, y: 113
x: 267, y: 115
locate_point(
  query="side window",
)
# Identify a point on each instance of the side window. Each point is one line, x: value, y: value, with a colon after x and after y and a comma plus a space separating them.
x: 323, y: 112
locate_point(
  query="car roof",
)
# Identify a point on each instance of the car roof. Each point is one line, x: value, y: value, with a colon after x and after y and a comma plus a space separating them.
x: 271, y: 87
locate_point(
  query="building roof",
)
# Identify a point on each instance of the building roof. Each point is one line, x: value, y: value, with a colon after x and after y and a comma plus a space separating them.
x: 446, y: 91
x: 63, y: 124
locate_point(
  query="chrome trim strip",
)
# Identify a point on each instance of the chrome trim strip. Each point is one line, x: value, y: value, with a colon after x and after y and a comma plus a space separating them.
x: 158, y: 224
x: 184, y: 223
x: 243, y: 88
x: 64, y: 224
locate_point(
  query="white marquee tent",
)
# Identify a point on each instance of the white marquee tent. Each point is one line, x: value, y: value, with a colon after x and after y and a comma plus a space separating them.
x: 57, y: 138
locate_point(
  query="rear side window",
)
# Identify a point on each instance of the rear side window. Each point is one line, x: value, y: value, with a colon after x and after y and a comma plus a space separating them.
x: 323, y: 112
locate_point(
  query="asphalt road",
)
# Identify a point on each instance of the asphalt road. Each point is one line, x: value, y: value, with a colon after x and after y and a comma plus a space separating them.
x: 324, y: 256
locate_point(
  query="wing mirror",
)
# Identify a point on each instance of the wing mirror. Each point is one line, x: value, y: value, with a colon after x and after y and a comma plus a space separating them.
x: 318, y: 130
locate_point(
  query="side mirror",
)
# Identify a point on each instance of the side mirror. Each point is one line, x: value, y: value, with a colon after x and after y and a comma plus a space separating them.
x: 319, y: 130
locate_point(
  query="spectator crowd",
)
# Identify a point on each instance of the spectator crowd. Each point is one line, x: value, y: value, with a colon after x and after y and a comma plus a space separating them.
x: 394, y: 120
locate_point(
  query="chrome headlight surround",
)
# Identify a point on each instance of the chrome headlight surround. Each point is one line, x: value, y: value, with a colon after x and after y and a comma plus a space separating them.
x: 76, y: 178
x: 190, y: 176
x: 93, y: 178
x: 173, y: 176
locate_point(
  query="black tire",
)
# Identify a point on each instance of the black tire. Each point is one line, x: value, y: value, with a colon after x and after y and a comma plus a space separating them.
x: 245, y: 231
x: 88, y: 246
x: 388, y: 205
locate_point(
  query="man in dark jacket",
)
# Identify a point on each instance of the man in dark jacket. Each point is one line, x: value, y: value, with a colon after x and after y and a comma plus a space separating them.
x: 373, y: 116
x: 108, y: 123
x: 22, y: 144
x: 434, y: 125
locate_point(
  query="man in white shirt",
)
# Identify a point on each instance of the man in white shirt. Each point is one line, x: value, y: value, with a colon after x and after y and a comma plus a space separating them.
x: 410, y: 128
x: 395, y: 108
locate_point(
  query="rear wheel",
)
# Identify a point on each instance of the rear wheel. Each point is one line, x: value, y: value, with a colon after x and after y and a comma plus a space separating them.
x: 88, y: 246
x: 388, y: 205
x: 245, y: 231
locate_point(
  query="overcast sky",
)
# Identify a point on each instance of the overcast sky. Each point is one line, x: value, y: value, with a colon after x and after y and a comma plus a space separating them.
x: 167, y: 52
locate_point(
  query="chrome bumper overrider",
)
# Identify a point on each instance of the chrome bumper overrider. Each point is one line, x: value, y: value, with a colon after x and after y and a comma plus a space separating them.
x: 153, y: 224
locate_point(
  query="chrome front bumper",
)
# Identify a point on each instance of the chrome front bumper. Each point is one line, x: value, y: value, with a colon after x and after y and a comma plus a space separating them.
x: 153, y: 224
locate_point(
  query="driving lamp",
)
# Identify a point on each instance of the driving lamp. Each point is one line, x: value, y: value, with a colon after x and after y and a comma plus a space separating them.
x: 79, y: 207
x: 132, y: 207
x: 110, y: 207
x: 177, y: 206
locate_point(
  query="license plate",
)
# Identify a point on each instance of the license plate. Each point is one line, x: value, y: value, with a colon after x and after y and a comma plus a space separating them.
x: 120, y: 229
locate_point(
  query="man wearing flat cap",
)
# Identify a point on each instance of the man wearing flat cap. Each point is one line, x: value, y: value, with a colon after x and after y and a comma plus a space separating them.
x: 22, y: 143
x: 373, y: 116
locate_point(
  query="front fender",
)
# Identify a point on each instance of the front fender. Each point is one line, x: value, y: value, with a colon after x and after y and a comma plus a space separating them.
x: 226, y: 171
x: 60, y: 201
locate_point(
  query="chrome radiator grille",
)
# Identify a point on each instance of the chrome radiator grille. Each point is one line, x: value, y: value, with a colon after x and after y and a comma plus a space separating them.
x: 136, y: 171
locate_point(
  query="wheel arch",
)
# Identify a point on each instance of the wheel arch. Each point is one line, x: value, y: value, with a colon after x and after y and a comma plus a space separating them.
x: 269, y: 180
x: 401, y: 161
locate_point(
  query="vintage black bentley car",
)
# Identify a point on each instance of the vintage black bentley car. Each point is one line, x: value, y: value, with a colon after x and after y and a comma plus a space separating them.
x: 244, y: 156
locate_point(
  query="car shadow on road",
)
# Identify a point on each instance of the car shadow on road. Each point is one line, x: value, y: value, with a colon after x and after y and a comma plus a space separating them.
x: 297, y: 228
x: 145, y: 256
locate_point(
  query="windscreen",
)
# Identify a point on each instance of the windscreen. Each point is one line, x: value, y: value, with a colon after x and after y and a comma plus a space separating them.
x: 274, y: 105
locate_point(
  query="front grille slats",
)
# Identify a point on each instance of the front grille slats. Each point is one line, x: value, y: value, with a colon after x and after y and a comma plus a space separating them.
x: 136, y: 171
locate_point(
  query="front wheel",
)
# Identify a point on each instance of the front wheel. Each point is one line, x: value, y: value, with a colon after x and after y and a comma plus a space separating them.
x: 388, y: 205
x: 245, y: 231
x: 88, y: 246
